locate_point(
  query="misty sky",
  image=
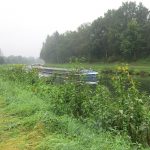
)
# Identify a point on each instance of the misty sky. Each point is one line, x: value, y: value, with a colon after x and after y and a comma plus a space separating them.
x: 24, y: 24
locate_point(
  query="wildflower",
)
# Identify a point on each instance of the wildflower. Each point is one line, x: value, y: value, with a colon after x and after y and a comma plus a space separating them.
x: 113, y: 78
x: 119, y: 68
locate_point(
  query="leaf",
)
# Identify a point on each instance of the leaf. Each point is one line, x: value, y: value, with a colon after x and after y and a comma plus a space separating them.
x: 121, y: 111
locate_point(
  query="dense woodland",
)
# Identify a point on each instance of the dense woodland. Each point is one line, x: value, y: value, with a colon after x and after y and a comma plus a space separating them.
x: 122, y: 34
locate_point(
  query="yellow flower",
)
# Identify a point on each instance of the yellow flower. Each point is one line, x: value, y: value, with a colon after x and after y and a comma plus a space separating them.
x: 119, y: 68
x: 113, y: 78
x: 126, y: 68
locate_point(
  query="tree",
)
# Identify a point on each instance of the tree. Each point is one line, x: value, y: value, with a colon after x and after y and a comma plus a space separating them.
x: 121, y: 34
x: 131, y: 40
x: 2, y: 60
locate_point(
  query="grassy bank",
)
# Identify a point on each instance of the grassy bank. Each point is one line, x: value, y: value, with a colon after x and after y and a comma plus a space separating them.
x: 27, y: 123
x: 72, y: 115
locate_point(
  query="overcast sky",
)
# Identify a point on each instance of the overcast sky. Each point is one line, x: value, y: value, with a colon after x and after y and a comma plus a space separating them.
x: 24, y: 24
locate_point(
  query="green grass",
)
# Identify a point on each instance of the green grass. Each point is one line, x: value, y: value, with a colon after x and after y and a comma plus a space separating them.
x: 136, y: 66
x: 27, y: 123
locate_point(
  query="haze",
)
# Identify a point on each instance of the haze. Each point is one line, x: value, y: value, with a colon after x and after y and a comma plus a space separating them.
x: 24, y: 24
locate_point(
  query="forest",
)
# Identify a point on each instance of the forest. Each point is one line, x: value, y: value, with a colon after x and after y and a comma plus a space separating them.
x: 119, y: 35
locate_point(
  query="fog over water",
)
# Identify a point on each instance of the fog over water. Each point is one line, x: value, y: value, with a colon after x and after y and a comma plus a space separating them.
x: 24, y: 24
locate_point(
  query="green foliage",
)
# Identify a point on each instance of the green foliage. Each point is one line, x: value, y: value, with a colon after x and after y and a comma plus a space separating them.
x: 2, y: 60
x: 77, y: 60
x: 28, y: 113
x: 131, y: 113
x: 123, y: 109
x: 19, y: 73
x: 122, y: 34
x: 118, y: 108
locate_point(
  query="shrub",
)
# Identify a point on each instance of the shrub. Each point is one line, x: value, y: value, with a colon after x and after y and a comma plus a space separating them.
x: 130, y: 113
x: 19, y: 73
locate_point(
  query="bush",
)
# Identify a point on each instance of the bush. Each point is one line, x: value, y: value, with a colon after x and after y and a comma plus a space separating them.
x: 19, y: 73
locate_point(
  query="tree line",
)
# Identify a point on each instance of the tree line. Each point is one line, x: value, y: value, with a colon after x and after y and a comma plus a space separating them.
x: 19, y: 60
x: 121, y: 34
